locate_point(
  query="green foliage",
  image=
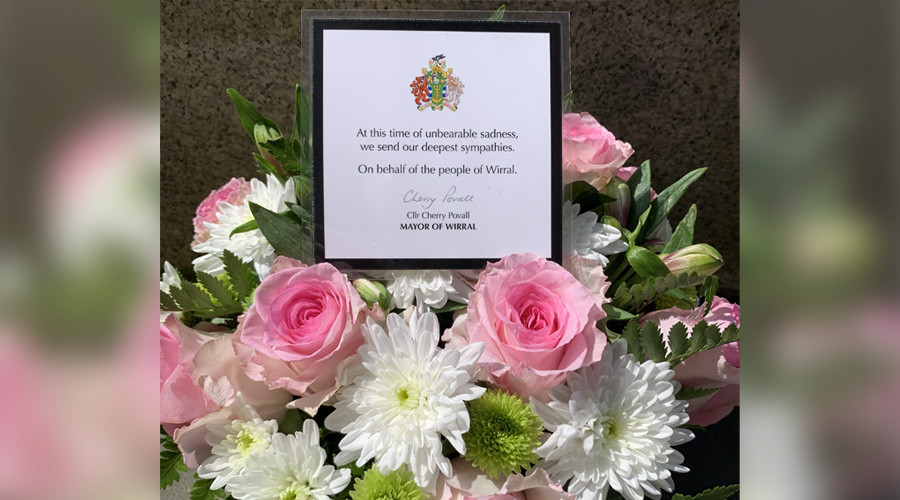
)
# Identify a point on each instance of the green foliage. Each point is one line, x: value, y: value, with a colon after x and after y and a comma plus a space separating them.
x: 587, y: 197
x: 301, y: 135
x: 171, y: 463
x: 201, y: 490
x: 292, y: 421
x: 708, y: 291
x: 695, y: 392
x: 635, y: 297
x: 646, y: 342
x: 498, y: 14
x: 646, y: 263
x: 613, y: 313
x: 666, y: 200
x: 278, y: 155
x: 684, y: 232
x: 568, y: 102
x: 450, y: 306
x: 639, y: 186
x: 248, y: 114
x: 651, y: 341
x: 214, y: 296
x: 286, y: 235
x: 717, y: 493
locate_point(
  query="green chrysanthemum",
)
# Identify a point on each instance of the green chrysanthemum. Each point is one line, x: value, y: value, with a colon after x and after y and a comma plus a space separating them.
x: 398, y: 485
x: 503, y: 434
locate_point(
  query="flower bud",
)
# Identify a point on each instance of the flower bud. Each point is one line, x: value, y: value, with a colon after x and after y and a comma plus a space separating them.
x: 700, y: 258
x: 373, y: 293
x: 618, y: 189
x: 263, y: 134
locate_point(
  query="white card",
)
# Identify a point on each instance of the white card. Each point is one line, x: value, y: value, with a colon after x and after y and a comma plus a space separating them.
x: 438, y: 143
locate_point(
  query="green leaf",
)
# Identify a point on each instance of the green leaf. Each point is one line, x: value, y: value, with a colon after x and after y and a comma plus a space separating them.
x: 243, y: 277
x: 694, y: 392
x: 713, y: 337
x: 183, y: 301
x: 717, y: 493
x: 646, y: 263
x: 639, y: 186
x: 217, y: 289
x: 166, y: 302
x: 638, y: 229
x: 171, y: 463
x: 450, y: 306
x: 200, y: 298
x: 248, y: 114
x: 498, y: 14
x: 684, y: 233
x: 201, y: 490
x: 293, y: 421
x: 698, y: 337
x: 614, y: 313
x: 285, y: 235
x: 301, y: 212
x: 731, y: 334
x: 245, y: 227
x: 708, y: 290
x: 265, y: 167
x: 611, y: 336
x: 587, y: 196
x: 631, y: 334
x: 568, y: 103
x: 678, y: 343
x: 301, y: 133
x: 652, y: 342
x: 666, y: 200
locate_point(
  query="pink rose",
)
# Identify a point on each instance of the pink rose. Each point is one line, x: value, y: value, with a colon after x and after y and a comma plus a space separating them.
x: 715, y: 368
x: 217, y: 371
x: 208, y: 211
x: 469, y: 483
x: 590, y: 152
x: 537, y: 323
x: 180, y: 399
x: 303, y: 323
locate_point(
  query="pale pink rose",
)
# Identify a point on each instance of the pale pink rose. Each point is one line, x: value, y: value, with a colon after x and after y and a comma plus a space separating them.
x: 180, y: 399
x: 303, y: 323
x: 589, y: 273
x: 218, y: 372
x: 537, y: 323
x: 469, y: 483
x: 715, y: 368
x: 232, y: 192
x: 590, y: 152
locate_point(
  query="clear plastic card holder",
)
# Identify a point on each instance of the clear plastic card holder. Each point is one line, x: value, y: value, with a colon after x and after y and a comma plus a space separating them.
x: 437, y: 136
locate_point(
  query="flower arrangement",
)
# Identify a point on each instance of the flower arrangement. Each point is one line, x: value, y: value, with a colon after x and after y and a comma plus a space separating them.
x: 285, y: 379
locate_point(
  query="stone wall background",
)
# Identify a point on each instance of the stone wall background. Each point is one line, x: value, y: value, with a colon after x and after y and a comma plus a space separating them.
x: 663, y: 76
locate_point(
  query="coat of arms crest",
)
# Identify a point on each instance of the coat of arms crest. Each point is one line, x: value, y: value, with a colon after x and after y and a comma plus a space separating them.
x: 437, y: 88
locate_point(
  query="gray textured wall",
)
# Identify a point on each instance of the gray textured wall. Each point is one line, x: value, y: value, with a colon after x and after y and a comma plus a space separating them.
x: 662, y: 76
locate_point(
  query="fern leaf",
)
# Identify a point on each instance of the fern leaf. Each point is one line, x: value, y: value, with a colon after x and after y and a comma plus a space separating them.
x: 171, y: 463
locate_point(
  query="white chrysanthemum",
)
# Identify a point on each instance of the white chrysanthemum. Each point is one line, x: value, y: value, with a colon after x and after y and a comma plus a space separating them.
x: 429, y: 288
x: 234, y: 442
x: 405, y: 394
x: 613, y: 425
x: 169, y: 277
x: 293, y: 469
x: 250, y: 246
x: 591, y: 239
